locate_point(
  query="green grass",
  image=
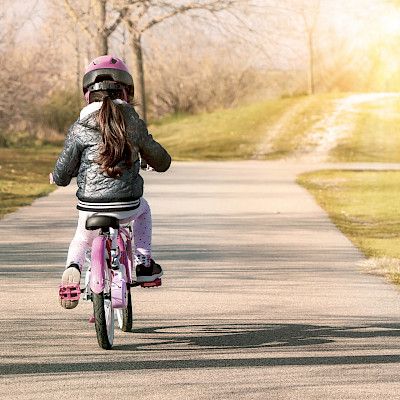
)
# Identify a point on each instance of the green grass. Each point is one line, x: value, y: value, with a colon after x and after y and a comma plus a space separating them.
x: 223, y: 134
x: 376, y: 134
x: 24, y: 175
x: 236, y: 133
x: 364, y: 205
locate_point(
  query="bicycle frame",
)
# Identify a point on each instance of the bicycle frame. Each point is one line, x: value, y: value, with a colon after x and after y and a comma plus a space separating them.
x: 112, y: 258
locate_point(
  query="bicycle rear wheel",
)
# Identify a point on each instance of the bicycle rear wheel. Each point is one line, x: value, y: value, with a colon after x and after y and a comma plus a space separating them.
x: 125, y: 315
x: 104, y: 320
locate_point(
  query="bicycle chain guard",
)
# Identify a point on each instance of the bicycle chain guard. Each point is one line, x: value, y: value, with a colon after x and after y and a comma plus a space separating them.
x: 118, y: 291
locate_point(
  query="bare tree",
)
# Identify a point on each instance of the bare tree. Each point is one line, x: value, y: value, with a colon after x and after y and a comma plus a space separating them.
x: 193, y: 74
x: 93, y: 22
x: 310, y: 13
x: 143, y: 15
x: 140, y: 17
x: 300, y: 20
x: 16, y: 66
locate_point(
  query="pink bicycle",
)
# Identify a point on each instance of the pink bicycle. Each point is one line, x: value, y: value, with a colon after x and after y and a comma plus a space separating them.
x: 109, y: 278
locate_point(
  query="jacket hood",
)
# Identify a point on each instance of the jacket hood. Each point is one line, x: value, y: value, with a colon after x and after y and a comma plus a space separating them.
x: 89, y: 121
x: 87, y: 116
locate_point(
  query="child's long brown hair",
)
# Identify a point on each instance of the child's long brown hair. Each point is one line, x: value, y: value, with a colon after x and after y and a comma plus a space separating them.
x: 115, y: 146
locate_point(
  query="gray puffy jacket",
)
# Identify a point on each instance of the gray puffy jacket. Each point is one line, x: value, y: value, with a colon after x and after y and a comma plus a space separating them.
x: 81, y: 149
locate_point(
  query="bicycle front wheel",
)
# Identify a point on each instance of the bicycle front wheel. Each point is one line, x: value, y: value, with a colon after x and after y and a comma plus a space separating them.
x: 104, y: 320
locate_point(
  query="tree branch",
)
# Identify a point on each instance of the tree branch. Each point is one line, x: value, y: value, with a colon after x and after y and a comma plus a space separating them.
x: 122, y: 13
x: 74, y: 15
x: 212, y: 6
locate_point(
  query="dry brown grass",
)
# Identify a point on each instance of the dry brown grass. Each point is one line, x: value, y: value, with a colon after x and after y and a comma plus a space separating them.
x: 383, y: 266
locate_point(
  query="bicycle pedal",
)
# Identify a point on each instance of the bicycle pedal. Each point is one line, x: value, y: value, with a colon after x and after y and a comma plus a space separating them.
x: 69, y: 292
x: 155, y: 283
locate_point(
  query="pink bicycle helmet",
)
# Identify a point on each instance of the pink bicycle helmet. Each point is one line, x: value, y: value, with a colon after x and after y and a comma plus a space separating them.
x: 107, y: 73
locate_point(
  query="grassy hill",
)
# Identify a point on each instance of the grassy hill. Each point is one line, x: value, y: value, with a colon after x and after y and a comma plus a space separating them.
x: 237, y: 133
x: 375, y: 132
x: 371, y: 129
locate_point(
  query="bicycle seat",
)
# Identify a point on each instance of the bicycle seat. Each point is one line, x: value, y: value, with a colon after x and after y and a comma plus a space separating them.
x: 101, y: 222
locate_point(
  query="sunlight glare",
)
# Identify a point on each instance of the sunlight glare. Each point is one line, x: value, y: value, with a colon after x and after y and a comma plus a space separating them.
x: 390, y: 24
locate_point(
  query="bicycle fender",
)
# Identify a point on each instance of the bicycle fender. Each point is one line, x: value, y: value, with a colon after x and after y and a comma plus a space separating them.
x: 98, y: 265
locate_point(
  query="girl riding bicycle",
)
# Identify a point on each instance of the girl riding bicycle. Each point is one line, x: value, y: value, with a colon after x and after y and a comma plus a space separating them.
x: 102, y: 150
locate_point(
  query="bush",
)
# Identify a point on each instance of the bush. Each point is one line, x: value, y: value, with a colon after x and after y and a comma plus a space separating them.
x: 44, y: 122
x: 58, y: 111
x: 188, y: 90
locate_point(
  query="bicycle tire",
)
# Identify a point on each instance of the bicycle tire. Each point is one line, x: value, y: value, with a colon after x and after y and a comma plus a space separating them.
x: 102, y: 326
x: 127, y: 315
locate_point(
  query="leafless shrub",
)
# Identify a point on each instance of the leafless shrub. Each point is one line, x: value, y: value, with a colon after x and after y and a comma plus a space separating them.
x: 192, y: 72
x: 32, y: 73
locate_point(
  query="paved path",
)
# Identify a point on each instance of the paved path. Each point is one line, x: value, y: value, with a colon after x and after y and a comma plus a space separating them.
x: 262, y: 299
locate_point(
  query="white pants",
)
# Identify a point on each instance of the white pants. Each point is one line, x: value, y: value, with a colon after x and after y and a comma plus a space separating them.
x: 140, y: 218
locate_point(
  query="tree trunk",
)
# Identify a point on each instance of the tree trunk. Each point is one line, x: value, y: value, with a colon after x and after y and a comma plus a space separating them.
x: 102, y: 45
x: 102, y: 37
x: 139, y: 77
x: 311, y: 77
x: 78, y: 68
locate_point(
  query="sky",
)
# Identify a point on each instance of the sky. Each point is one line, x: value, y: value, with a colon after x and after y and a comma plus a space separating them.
x: 359, y: 23
x: 340, y: 12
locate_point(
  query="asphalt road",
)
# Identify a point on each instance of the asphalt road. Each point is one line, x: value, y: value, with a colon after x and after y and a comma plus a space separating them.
x: 262, y: 298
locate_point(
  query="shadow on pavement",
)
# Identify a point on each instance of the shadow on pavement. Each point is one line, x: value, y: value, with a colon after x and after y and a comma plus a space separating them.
x: 192, y: 338
x: 247, y: 336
